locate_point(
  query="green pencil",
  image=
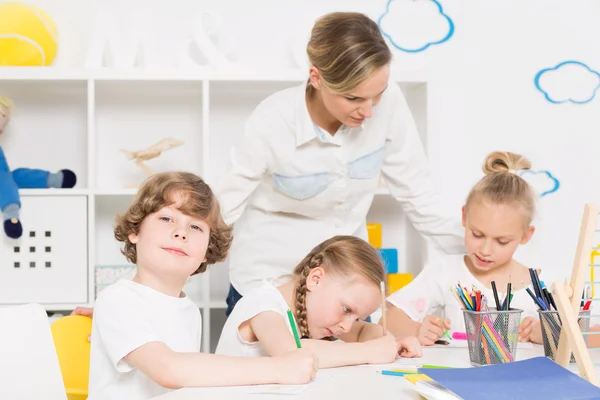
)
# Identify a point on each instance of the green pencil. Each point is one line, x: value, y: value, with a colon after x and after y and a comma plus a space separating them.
x: 293, y: 324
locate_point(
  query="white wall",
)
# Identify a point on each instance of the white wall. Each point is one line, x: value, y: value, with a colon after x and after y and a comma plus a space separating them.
x: 503, y: 46
x: 482, y: 97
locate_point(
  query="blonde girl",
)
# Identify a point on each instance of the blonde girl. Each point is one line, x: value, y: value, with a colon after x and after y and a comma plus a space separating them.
x: 333, y: 289
x: 497, y: 219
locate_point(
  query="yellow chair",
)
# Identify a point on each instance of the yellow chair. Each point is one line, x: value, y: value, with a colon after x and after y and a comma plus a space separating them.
x: 70, y: 335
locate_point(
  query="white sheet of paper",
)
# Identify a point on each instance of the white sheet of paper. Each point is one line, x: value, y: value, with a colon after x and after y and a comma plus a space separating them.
x: 284, y: 389
x: 405, y: 362
x: 277, y: 389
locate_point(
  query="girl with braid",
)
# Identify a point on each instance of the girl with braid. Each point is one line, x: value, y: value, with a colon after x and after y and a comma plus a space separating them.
x: 333, y: 289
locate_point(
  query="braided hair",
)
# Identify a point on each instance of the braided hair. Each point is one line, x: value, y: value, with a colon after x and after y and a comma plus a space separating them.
x: 340, y: 255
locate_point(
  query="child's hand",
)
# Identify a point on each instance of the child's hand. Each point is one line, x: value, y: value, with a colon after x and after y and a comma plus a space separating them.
x: 87, y: 311
x: 382, y: 350
x: 296, y: 367
x: 432, y: 328
x: 530, y: 330
x: 409, y: 347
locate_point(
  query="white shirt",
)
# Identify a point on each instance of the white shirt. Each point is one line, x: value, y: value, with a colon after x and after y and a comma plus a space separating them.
x: 126, y: 316
x: 265, y: 297
x: 429, y: 293
x: 291, y: 185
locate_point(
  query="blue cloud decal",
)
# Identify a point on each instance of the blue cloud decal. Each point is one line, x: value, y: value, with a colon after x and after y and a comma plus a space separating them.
x: 569, y: 81
x: 542, y: 181
x: 413, y: 26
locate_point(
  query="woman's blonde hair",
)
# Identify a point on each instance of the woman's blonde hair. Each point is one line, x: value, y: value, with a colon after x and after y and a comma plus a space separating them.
x: 340, y: 255
x: 160, y: 190
x: 346, y: 48
x: 502, y: 184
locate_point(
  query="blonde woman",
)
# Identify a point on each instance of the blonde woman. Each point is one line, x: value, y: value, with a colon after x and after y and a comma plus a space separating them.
x: 311, y: 157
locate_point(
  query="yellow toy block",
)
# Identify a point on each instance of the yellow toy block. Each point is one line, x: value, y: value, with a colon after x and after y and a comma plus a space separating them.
x: 414, y: 378
x: 397, y: 281
x: 374, y: 232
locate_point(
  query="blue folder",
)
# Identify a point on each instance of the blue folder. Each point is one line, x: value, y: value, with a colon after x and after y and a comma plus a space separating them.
x: 535, y: 378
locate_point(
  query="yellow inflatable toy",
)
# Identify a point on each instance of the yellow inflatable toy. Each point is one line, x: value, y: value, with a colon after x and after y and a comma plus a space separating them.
x: 28, y: 36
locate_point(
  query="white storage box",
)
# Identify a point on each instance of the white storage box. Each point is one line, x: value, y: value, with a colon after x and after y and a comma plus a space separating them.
x: 48, y: 264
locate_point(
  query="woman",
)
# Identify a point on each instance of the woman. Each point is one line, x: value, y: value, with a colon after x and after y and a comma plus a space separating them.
x: 311, y: 157
x: 310, y: 160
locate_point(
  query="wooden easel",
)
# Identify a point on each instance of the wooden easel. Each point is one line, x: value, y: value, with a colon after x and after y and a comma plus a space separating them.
x: 568, y: 301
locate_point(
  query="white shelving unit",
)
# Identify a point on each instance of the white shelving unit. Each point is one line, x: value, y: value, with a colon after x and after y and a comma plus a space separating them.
x: 81, y: 119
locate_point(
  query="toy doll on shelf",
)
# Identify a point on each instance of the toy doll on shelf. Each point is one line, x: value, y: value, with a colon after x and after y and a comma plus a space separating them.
x: 22, y: 178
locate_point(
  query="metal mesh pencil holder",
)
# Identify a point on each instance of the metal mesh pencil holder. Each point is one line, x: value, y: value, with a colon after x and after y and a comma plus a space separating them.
x: 552, y: 325
x: 492, y: 335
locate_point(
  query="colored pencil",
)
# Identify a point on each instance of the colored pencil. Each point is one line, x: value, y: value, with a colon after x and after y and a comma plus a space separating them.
x: 396, y: 373
x: 508, y: 288
x: 486, y: 350
x: 496, y: 296
x: 294, y: 330
x: 480, y: 304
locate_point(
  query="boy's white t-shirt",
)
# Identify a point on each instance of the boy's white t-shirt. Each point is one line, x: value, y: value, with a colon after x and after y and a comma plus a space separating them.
x: 265, y: 297
x: 128, y: 315
x: 429, y: 293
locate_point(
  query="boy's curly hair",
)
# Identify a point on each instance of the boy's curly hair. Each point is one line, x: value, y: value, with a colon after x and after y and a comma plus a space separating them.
x: 158, y: 191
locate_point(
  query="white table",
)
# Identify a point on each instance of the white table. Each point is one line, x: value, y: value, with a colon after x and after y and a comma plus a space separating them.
x: 351, y: 382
